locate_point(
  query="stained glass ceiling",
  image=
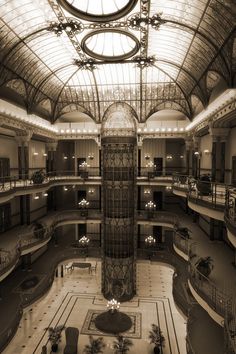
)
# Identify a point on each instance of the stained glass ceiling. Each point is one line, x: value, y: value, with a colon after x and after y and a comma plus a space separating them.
x: 84, y: 54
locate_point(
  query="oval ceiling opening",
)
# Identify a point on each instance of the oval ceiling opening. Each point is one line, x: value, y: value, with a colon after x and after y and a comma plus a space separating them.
x: 110, y: 45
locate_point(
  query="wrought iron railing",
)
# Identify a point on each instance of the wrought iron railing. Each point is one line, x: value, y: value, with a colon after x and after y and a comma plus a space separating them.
x: 8, y: 258
x: 230, y: 205
x: 208, y: 193
x: 219, y: 300
x: 163, y: 217
x: 182, y: 243
x: 181, y: 182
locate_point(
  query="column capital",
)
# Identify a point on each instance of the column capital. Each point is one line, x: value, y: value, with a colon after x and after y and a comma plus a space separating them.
x: 218, y: 134
x: 23, y: 137
x: 51, y: 145
x: 196, y: 141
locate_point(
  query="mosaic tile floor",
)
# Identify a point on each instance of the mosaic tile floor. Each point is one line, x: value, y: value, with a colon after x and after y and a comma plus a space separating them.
x: 74, y: 299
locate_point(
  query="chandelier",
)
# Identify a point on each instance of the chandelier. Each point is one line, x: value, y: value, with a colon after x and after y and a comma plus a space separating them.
x: 150, y: 206
x: 150, y: 240
x: 83, y: 204
x: 113, y: 305
x: 84, y: 241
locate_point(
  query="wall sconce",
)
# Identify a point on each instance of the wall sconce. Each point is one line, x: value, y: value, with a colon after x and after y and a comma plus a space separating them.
x: 45, y: 154
x: 36, y: 197
x: 73, y: 157
x: 207, y: 152
x: 45, y: 194
x: 181, y: 156
x: 147, y: 191
x: 147, y: 157
x: 169, y: 157
x: 35, y: 153
x: 90, y: 156
x: 65, y: 189
x: 91, y: 191
x: 150, y: 164
x: 196, y: 153
x: 65, y: 157
x: 168, y: 188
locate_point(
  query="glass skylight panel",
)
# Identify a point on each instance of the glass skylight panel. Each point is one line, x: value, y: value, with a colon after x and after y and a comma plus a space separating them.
x: 98, y: 6
x: 189, y: 11
x: 115, y: 74
x: 169, y: 43
x: 81, y: 78
x: 65, y: 73
x: 155, y: 75
x: 25, y: 16
x: 110, y: 43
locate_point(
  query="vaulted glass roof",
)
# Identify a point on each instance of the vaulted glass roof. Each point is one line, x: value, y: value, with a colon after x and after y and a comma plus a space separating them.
x: 75, y: 52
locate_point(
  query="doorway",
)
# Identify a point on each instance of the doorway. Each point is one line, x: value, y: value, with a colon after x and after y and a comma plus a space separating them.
x: 233, y: 181
x: 157, y: 233
x: 80, y: 160
x: 158, y: 199
x: 81, y: 194
x: 158, y: 162
x: 4, y: 169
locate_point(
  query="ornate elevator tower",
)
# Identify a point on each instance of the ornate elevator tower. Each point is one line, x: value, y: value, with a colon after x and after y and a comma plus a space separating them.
x: 119, y: 150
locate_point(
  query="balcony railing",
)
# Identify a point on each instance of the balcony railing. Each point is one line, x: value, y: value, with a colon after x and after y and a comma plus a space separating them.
x: 219, y: 300
x: 182, y: 243
x: 8, y: 259
x: 230, y: 206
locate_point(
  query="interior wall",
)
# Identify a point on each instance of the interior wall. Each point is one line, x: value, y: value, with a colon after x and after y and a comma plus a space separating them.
x: 9, y: 149
x: 205, y: 159
x: 85, y: 147
x: 65, y: 149
x: 230, y: 151
x: 38, y: 207
x: 155, y: 148
x: 175, y: 149
x: 36, y: 162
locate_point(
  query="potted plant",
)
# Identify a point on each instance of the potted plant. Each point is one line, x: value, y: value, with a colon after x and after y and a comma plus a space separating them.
x: 156, y: 337
x: 38, y: 177
x: 205, y: 265
x: 95, y: 346
x: 54, y: 336
x: 122, y: 345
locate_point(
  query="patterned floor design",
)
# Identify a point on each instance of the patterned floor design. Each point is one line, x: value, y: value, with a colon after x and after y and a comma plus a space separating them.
x: 90, y: 328
x: 74, y: 300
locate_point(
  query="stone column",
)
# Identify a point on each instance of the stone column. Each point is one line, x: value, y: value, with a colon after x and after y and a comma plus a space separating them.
x: 51, y: 147
x: 219, y: 136
x: 76, y: 232
x: 26, y: 159
x: 20, y: 167
x: 188, y: 149
x: 196, y: 157
x: 213, y: 158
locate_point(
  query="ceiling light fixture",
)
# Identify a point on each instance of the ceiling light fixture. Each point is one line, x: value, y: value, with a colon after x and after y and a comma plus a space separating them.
x: 72, y: 27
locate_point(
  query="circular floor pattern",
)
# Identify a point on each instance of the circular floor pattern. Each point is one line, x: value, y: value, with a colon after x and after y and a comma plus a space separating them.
x: 113, y: 322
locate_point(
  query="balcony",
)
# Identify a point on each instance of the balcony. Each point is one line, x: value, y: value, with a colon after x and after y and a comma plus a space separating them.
x: 230, y: 214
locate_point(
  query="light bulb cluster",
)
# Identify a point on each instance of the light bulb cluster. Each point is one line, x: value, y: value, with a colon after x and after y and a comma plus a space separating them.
x: 150, y: 240
x: 84, y: 165
x: 78, y: 131
x: 161, y: 130
x: 83, y: 204
x: 84, y: 240
x: 150, y: 205
x: 113, y: 305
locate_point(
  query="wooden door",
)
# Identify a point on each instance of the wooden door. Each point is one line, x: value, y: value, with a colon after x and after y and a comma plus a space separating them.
x: 158, y: 162
x: 233, y: 170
